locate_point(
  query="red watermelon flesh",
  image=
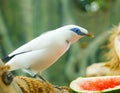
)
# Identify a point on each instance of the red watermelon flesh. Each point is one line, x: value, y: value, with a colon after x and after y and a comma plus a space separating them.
x: 96, y: 83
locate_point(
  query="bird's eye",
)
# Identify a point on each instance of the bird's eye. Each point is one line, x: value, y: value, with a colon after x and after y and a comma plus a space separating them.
x: 76, y: 30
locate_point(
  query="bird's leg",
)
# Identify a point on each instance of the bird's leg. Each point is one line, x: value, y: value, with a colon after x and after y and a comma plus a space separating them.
x: 37, y: 76
x: 56, y: 86
x: 34, y: 75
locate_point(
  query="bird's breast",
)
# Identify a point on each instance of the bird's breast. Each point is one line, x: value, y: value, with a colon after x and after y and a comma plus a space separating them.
x: 50, y: 55
x: 57, y: 50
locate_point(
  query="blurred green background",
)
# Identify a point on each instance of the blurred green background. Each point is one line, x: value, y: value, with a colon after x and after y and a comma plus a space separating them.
x: 23, y: 20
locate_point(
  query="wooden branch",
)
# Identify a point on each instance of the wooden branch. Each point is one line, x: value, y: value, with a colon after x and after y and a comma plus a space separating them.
x: 20, y: 84
x: 7, y: 84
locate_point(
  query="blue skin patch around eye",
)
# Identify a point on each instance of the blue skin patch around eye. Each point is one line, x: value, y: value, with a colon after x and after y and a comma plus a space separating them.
x: 77, y: 31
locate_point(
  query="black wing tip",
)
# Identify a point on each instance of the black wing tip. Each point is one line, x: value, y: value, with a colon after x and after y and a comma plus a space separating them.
x: 6, y: 59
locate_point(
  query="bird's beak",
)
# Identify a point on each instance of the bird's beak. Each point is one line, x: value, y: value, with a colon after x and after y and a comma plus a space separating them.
x: 90, y: 35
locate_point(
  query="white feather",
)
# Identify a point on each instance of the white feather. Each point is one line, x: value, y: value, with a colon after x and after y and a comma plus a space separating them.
x: 44, y: 50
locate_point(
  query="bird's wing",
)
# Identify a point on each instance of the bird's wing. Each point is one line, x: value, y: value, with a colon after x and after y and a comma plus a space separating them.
x: 24, y: 60
x: 38, y: 43
x: 10, y: 57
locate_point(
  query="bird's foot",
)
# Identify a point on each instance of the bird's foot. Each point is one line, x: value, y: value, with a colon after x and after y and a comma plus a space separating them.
x: 57, y: 87
x: 37, y: 76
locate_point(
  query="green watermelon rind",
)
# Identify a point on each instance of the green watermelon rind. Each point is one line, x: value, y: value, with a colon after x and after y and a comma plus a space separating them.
x: 110, y: 90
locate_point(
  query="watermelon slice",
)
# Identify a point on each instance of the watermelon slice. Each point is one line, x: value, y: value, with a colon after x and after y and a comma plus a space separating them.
x: 104, y: 84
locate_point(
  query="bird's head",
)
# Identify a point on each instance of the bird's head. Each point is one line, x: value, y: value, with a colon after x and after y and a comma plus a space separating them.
x: 74, y: 32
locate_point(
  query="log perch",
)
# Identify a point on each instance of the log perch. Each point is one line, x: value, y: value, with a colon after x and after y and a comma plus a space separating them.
x: 22, y: 84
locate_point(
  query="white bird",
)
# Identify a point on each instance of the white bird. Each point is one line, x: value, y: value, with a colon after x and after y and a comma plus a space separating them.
x: 46, y: 49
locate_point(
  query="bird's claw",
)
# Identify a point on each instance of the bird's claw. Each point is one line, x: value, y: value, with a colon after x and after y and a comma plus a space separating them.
x: 57, y: 87
x: 40, y: 77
